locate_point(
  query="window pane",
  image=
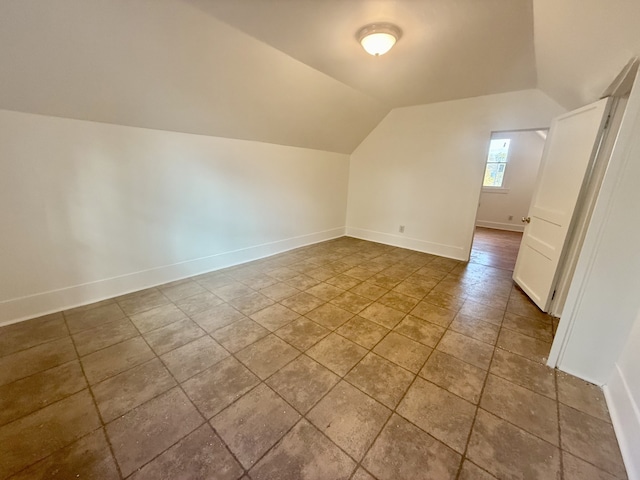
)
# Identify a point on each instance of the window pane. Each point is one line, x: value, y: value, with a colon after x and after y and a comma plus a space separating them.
x: 498, y: 150
x: 494, y: 174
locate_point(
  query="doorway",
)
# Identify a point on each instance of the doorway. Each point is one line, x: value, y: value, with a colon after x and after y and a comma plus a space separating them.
x: 511, y: 169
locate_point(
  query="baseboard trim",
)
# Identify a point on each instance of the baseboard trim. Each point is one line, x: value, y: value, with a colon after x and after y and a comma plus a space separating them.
x: 442, y: 250
x: 32, y: 306
x: 500, y: 226
x: 625, y: 416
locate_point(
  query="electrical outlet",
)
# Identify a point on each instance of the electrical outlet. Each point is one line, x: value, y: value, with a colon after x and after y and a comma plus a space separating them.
x: 401, y: 229
x: 510, y: 217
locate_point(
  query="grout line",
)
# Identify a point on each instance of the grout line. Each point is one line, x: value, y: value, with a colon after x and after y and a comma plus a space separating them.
x: 95, y: 403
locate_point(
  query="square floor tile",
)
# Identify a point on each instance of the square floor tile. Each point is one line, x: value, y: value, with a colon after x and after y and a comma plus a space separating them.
x: 180, y: 289
x: 304, y: 454
x: 433, y: 314
x: 232, y: 290
x: 454, y: 375
x: 445, y: 416
x: 254, y: 423
x: 475, y: 328
x: 324, y: 291
x: 412, y: 289
x: 420, y: 330
x: 199, y: 455
x: 524, y: 408
x: 524, y: 372
x: 194, y: 357
x: 445, y: 300
x: 216, y: 387
x: 302, y: 333
x: 536, y: 328
x: 117, y: 395
x: 483, y: 312
x: 303, y: 382
x: 583, y: 396
x: 369, y: 290
x: 470, y: 471
x: 23, y: 335
x: 239, y: 334
x: 198, y: 303
x: 157, y: 317
x: 383, y: 315
x: 94, y: 317
x: 351, y: 302
x: 302, y: 303
x: 403, y: 351
x: 467, y: 349
x: 143, y: 433
x: 350, y: 418
x: 362, y: 331
x: 29, y: 394
x: 41, y: 433
x: 142, y: 301
x: 267, y: 356
x: 591, y: 439
x: 274, y: 316
x: 404, y: 452
x: 383, y: 380
x: 36, y: 359
x: 399, y: 301
x: 251, y: 303
x: 89, y: 457
x: 174, y: 335
x: 575, y: 468
x: 115, y: 359
x: 329, y: 316
x: 105, y: 335
x: 279, y: 291
x: 337, y: 353
x: 528, y: 347
x: 506, y: 451
x: 217, y: 317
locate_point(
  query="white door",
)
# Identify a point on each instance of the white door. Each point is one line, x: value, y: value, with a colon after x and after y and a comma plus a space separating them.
x: 569, y: 151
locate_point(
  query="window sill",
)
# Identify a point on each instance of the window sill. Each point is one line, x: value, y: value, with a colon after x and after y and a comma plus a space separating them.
x: 495, y: 190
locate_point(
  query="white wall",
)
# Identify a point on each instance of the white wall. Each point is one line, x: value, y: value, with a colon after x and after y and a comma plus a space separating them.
x: 422, y: 167
x: 91, y: 210
x: 581, y: 45
x: 597, y: 338
x: 623, y: 397
x: 525, y: 153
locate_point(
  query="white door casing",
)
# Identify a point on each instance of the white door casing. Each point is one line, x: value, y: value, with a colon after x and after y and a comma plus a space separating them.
x: 570, y: 149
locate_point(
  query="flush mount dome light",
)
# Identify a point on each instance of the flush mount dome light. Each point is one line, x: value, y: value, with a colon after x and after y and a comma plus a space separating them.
x: 378, y: 38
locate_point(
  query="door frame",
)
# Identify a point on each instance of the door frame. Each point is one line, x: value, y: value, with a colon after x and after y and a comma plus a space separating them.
x: 486, y: 156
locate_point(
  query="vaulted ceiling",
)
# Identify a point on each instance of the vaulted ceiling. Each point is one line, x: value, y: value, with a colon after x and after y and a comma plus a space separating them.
x: 291, y: 71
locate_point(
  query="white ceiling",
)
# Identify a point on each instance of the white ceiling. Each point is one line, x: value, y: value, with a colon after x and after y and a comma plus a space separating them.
x: 449, y: 48
x: 291, y: 71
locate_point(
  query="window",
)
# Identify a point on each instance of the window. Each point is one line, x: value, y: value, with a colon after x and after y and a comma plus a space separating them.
x: 496, y: 163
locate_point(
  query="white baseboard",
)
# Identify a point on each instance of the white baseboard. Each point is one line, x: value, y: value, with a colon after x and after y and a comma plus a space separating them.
x: 500, y: 226
x: 625, y: 416
x: 31, y: 306
x: 449, y: 251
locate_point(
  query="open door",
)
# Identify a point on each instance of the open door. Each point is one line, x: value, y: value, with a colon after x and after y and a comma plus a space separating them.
x: 571, y: 147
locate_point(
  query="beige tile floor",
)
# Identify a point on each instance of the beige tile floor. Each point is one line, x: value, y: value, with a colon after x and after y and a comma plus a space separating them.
x: 342, y: 360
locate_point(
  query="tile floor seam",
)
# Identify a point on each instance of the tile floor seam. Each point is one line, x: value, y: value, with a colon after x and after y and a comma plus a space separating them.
x: 95, y: 404
x: 33, y: 346
x: 477, y: 406
x: 394, y: 411
x: 555, y: 381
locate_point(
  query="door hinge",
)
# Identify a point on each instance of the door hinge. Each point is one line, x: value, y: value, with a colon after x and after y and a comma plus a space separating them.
x: 553, y: 295
x: 607, y: 121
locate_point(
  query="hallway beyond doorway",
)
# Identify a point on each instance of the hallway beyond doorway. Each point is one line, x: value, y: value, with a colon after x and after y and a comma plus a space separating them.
x: 495, y: 248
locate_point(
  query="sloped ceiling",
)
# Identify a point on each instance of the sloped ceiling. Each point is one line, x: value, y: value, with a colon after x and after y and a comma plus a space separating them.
x: 291, y: 71
x: 581, y: 45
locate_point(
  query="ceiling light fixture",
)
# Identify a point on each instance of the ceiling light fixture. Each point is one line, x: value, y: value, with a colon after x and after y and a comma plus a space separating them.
x: 378, y: 38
